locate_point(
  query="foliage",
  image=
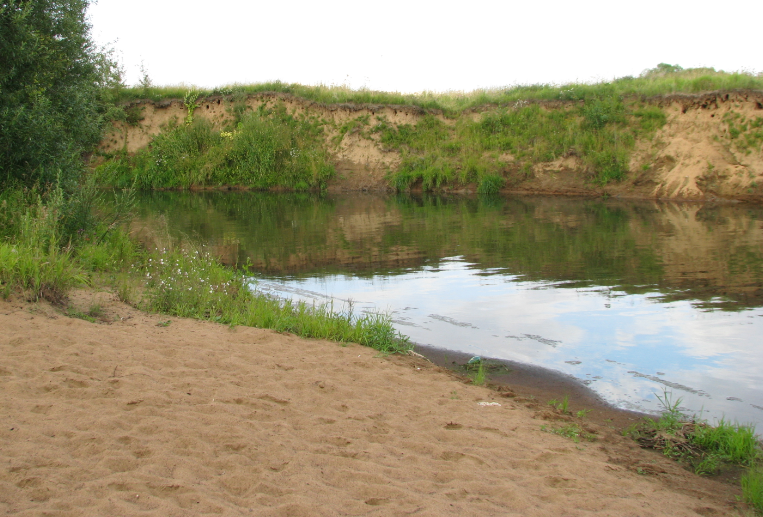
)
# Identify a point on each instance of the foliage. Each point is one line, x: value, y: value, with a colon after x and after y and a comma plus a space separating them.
x: 602, y: 132
x: 572, y: 431
x: 191, y: 283
x: 264, y: 150
x: 752, y: 488
x: 189, y: 101
x: 56, y: 90
x: 705, y: 448
x: 562, y: 405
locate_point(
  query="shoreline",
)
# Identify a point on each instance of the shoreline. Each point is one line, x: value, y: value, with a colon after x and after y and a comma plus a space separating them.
x: 536, y: 383
x: 145, y: 414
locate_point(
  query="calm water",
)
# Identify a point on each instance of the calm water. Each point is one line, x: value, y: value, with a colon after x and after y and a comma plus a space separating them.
x: 633, y: 298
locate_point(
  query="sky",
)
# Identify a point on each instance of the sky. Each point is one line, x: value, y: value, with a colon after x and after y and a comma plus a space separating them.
x: 412, y: 46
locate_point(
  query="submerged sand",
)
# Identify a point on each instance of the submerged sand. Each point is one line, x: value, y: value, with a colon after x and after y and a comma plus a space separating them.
x: 133, y: 415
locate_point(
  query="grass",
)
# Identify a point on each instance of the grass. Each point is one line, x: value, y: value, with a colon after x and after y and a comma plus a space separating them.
x: 601, y: 133
x: 706, y: 449
x: 752, y: 488
x: 36, y: 262
x: 660, y: 80
x: 572, y: 431
x: 261, y: 150
x: 562, y: 405
x: 478, y: 378
x: 597, y: 125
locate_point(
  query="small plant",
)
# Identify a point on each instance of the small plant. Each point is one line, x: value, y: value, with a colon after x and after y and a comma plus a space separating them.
x: 707, y: 465
x: 571, y: 431
x: 582, y: 413
x: 189, y: 100
x: 145, y: 83
x: 562, y: 406
x: 478, y: 378
x: 95, y: 310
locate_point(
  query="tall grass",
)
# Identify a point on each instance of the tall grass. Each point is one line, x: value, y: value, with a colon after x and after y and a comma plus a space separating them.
x: 190, y: 283
x: 752, y: 488
x: 601, y: 132
x: 39, y: 260
x: 50, y: 241
x: 263, y: 150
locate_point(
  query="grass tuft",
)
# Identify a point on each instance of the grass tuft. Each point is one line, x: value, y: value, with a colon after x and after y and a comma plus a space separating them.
x: 752, y: 488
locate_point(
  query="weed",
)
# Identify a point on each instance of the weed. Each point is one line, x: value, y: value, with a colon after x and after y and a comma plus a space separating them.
x: 190, y: 283
x: 189, y: 101
x: 74, y: 313
x: 752, y: 488
x: 264, y: 150
x: 583, y: 413
x: 571, y: 431
x: 562, y: 405
x: 733, y: 442
x: 478, y: 378
x: 95, y: 310
x: 707, y: 466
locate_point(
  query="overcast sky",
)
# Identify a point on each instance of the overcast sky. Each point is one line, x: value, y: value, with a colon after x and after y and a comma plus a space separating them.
x: 411, y: 45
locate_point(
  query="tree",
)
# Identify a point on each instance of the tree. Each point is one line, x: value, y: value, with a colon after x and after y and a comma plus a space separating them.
x: 52, y: 80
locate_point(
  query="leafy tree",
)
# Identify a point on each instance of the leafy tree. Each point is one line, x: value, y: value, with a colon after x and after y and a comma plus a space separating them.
x: 53, y: 82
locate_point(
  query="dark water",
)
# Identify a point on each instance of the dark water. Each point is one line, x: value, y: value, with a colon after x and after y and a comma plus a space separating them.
x: 633, y: 298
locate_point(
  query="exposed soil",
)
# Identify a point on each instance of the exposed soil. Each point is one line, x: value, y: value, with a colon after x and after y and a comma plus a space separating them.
x: 693, y: 157
x: 154, y: 415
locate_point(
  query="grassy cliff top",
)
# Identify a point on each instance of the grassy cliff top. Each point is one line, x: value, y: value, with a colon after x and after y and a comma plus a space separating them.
x: 661, y: 80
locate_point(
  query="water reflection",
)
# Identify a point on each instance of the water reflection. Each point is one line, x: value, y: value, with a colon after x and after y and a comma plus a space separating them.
x: 631, y: 297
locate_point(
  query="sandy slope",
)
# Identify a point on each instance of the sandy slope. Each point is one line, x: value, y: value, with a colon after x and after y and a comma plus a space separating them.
x: 693, y: 157
x: 134, y: 418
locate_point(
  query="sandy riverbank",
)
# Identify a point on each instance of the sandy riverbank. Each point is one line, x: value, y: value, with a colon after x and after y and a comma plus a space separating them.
x: 133, y: 415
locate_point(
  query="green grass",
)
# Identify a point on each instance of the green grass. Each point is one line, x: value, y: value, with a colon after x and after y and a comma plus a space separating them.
x: 752, y: 488
x: 478, y: 377
x: 266, y: 149
x: 38, y: 260
x: 706, y: 449
x: 572, y: 431
x: 658, y: 81
x: 731, y: 442
x: 598, y: 124
x: 191, y: 283
x: 601, y: 132
x: 562, y: 405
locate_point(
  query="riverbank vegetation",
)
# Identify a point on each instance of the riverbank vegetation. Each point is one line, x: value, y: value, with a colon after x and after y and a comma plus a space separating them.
x: 664, y: 79
x: 260, y: 150
x: 488, y: 139
x: 58, y: 230
x: 706, y: 449
x: 39, y: 260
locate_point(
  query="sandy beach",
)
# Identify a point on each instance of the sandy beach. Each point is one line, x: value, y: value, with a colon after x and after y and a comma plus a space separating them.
x: 142, y: 414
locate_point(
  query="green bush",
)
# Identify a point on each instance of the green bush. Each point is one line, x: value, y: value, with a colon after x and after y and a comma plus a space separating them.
x: 264, y: 150
x: 56, y: 92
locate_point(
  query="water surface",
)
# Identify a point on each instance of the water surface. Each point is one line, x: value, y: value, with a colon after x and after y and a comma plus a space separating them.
x: 633, y: 298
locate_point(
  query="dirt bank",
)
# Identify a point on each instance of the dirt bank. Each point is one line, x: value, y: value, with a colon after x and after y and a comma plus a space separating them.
x: 144, y: 414
x: 703, y: 152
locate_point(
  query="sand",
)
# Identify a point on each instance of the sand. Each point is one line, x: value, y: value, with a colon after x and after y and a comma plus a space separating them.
x: 143, y: 414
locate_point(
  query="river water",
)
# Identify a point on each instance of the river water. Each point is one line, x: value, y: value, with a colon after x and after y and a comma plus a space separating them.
x: 635, y: 299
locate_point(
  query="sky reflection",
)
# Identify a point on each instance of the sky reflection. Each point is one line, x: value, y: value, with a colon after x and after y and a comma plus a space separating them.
x: 627, y: 347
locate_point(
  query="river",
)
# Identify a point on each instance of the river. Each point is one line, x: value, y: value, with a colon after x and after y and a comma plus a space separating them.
x: 633, y: 298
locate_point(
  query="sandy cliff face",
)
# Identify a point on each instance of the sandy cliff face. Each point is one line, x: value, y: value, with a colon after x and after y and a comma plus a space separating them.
x: 711, y: 147
x: 698, y: 154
